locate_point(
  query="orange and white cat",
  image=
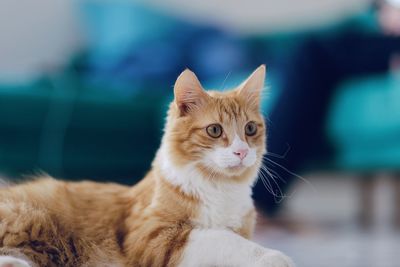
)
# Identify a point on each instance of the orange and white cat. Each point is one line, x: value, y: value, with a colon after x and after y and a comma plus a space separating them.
x: 193, y: 208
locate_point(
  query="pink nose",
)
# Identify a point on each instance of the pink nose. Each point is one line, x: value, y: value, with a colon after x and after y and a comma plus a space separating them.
x: 241, y: 153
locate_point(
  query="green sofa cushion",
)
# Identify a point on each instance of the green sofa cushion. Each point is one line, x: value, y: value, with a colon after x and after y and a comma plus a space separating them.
x: 74, y: 131
x: 364, y: 123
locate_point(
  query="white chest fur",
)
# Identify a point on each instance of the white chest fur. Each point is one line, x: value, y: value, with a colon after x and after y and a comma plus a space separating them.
x: 222, y: 204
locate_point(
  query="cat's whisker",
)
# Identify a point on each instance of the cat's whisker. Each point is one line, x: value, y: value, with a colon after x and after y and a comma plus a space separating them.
x: 224, y: 81
x: 292, y: 173
x: 278, y: 191
x: 278, y: 176
x: 277, y: 194
x: 274, y: 174
x: 275, y: 155
x: 214, y: 173
x: 265, y: 179
x: 266, y: 183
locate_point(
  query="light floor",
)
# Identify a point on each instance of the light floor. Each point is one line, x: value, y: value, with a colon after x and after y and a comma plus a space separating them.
x: 323, y: 231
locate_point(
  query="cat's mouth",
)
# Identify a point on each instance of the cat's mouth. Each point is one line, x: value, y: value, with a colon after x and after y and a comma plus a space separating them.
x: 236, y: 168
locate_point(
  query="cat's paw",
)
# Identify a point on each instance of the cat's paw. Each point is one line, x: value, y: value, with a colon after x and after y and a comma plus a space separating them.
x: 8, y: 261
x: 275, y: 258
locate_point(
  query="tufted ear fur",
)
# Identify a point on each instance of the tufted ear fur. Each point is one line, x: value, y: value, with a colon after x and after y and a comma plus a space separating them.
x: 189, y: 94
x: 252, y: 87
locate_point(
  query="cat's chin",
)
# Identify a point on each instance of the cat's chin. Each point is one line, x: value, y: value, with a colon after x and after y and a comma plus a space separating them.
x: 237, y: 169
x: 234, y: 171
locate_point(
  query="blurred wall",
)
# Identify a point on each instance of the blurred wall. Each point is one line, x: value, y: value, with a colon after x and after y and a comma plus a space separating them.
x: 35, y: 35
x: 42, y: 34
x: 261, y: 16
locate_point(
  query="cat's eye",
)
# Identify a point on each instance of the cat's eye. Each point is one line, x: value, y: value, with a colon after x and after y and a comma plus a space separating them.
x: 251, y: 128
x: 214, y: 130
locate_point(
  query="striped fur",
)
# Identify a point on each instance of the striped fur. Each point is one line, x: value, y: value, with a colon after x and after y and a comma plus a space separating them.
x: 47, y: 222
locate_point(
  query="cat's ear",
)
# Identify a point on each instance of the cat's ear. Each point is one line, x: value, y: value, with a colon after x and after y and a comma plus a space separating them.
x: 189, y: 94
x: 252, y: 87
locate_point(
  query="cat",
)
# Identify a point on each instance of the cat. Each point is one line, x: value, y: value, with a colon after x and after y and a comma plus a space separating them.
x: 193, y: 208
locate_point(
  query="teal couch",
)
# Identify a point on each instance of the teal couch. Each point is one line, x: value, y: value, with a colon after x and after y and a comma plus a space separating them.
x: 364, y: 124
x: 62, y: 126
x: 74, y: 129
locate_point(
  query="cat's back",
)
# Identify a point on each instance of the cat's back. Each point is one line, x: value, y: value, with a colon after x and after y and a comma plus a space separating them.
x: 34, y: 192
x: 49, y: 193
x: 71, y: 221
x: 76, y: 204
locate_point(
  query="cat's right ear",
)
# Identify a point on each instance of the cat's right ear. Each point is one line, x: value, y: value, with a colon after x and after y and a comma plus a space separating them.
x: 189, y: 94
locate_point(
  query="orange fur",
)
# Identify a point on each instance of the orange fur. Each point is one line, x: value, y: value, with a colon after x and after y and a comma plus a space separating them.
x: 55, y: 223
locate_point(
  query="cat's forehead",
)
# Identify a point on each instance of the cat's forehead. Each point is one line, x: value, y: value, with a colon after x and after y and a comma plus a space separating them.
x: 226, y: 106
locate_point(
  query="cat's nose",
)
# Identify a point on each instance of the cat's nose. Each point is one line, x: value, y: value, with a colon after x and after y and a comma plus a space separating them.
x: 241, y: 153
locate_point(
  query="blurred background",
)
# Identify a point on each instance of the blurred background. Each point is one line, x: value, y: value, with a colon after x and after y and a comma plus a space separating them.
x: 84, y: 86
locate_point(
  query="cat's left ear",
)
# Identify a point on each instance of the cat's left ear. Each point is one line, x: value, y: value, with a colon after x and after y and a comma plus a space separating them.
x: 189, y: 94
x: 252, y: 87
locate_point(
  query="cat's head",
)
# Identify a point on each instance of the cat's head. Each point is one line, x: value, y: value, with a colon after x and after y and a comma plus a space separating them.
x: 221, y: 134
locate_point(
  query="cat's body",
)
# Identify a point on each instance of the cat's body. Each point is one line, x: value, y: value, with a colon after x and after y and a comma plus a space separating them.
x: 193, y: 208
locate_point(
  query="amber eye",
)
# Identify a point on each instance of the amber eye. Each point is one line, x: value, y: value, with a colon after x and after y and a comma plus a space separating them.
x: 251, y: 128
x: 214, y: 130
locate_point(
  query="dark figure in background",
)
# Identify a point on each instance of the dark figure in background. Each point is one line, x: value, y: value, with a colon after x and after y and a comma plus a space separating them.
x: 317, y: 68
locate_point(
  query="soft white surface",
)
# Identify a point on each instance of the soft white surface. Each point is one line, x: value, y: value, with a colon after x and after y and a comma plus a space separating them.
x: 327, y: 232
x: 224, y: 248
x: 14, y: 261
x: 395, y: 3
